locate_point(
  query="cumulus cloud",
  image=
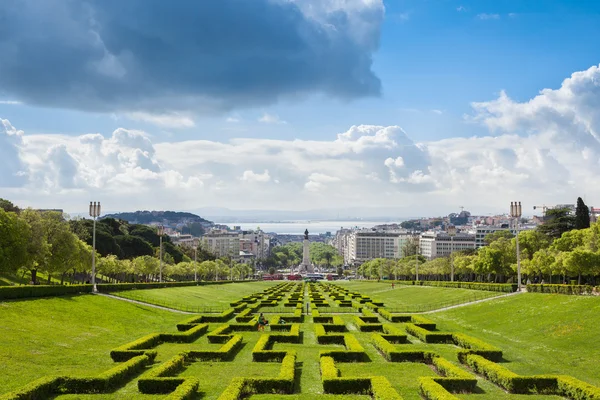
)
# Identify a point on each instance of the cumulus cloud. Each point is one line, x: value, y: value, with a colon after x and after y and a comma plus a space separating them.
x: 542, y: 151
x: 486, y: 16
x: 157, y: 57
x: 251, y: 176
x: 171, y: 120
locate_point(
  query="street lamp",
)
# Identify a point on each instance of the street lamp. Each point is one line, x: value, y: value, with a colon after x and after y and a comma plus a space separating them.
x: 195, y: 263
x: 417, y: 262
x: 515, y: 212
x: 452, y: 233
x: 161, y: 231
x: 94, y: 213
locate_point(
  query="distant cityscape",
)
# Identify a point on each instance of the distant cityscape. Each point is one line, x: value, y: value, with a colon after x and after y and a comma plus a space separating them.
x: 433, y: 237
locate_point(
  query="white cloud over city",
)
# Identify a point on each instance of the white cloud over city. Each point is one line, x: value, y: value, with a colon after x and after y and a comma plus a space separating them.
x: 542, y: 151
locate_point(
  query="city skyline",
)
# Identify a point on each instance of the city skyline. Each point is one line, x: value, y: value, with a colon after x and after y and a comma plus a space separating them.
x: 421, y: 108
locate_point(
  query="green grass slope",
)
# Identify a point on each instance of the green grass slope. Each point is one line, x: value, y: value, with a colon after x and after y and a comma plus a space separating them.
x: 69, y: 335
x: 415, y: 298
x: 198, y: 296
x: 539, y: 333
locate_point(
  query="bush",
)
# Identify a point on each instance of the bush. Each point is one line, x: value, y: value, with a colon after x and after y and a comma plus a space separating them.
x: 493, y: 287
x: 27, y: 291
x: 431, y: 390
x: 185, y: 337
x: 422, y: 322
x: 561, y: 289
x: 393, y: 334
x: 155, y: 381
x: 185, y: 391
x: 393, y: 317
x: 382, y: 389
x: 43, y: 388
x: 475, y: 346
x: 354, y: 351
x: 575, y: 389
x: 508, y: 379
x: 136, y: 348
x: 456, y: 379
x: 366, y: 327
x: 225, y: 352
x: 428, y: 336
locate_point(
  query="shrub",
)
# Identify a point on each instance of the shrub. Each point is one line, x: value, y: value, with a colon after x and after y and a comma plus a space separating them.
x: 427, y: 336
x: 508, y: 379
x: 456, y: 379
x: 354, y: 351
x: 185, y: 337
x: 225, y: 352
x: 185, y: 391
x: 43, y: 388
x: 561, y: 289
x: 220, y: 335
x: 156, y: 382
x: 366, y: 327
x: 493, y: 287
x: 382, y: 389
x: 431, y: 390
x: 27, y: 291
x: 393, y: 334
x: 475, y: 346
x: 135, y: 348
x: 422, y: 322
x: 575, y: 389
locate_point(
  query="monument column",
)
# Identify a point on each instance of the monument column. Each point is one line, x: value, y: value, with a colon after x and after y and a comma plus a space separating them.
x: 306, y: 265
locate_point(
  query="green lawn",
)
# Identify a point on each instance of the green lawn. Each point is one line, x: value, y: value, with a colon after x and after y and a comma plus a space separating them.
x: 415, y: 298
x: 73, y: 335
x: 190, y: 297
x: 65, y: 335
x: 539, y: 333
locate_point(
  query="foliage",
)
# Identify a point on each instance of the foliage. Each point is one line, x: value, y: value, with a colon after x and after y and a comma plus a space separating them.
x: 556, y: 222
x: 582, y: 215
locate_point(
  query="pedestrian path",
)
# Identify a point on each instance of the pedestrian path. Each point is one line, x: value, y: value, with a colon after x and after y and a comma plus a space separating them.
x: 471, y: 302
x: 144, y: 304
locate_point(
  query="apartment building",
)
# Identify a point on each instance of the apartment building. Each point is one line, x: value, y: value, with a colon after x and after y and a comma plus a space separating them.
x: 222, y: 243
x: 360, y: 245
x: 434, y: 244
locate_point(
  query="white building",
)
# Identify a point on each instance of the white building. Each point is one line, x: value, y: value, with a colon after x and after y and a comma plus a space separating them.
x: 434, y: 244
x: 222, y: 243
x: 360, y: 245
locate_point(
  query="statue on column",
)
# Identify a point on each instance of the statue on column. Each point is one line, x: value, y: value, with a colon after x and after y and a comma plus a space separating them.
x: 306, y: 234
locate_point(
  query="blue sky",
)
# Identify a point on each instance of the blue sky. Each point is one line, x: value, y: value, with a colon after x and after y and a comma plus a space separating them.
x: 273, y: 70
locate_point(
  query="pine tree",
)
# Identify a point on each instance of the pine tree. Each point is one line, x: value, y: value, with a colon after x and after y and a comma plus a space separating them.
x: 582, y: 215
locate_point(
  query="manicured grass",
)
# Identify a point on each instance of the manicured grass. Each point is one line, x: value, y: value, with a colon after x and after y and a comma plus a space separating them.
x: 191, y: 297
x: 415, y: 298
x: 539, y: 333
x: 69, y: 335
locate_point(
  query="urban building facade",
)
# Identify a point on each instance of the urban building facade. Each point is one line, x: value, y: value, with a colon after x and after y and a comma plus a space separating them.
x: 222, y: 243
x: 434, y: 244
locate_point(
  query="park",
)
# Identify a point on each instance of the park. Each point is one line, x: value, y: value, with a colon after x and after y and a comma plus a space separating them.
x: 342, y: 339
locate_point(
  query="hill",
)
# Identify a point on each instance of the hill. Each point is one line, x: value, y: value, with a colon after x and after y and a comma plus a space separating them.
x: 165, y: 217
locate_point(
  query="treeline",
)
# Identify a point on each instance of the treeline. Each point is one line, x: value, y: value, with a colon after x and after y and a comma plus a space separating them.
x: 290, y: 255
x: 33, y: 242
x: 565, y: 247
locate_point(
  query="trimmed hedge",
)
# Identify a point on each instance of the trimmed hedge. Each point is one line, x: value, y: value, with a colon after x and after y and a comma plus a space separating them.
x: 136, y: 348
x: 432, y: 390
x: 393, y: 334
x: 455, y: 379
x: 423, y: 322
x: 186, y: 391
x: 240, y: 388
x: 382, y: 389
x: 492, y: 287
x: 225, y: 352
x: 363, y: 326
x: 157, y: 380
x: 392, y: 354
x: 563, y: 289
x: 354, y: 351
x: 575, y: 389
x: 428, y: 336
x: 508, y: 379
x: 27, y: 291
x: 185, y: 337
x: 475, y: 346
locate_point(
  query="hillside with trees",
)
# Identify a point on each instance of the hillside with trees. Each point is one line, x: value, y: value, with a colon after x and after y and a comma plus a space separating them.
x: 185, y: 222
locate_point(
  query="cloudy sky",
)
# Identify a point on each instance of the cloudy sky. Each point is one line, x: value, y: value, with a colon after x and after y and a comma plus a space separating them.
x: 299, y: 104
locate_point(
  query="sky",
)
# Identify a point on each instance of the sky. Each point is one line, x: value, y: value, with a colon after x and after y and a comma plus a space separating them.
x: 424, y: 106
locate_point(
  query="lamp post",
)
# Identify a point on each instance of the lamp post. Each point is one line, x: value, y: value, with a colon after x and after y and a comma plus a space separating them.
x: 94, y: 213
x: 452, y: 233
x: 161, y: 231
x: 417, y: 262
x: 195, y: 263
x: 515, y: 212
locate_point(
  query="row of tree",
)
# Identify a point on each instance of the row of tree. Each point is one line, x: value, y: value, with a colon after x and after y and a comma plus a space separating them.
x: 33, y: 242
x: 290, y: 255
x: 565, y: 246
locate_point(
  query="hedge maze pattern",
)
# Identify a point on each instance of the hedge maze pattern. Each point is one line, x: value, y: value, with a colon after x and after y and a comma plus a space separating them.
x: 348, y: 328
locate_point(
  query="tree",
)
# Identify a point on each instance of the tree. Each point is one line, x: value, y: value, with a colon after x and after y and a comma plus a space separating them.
x: 38, y: 248
x: 8, y: 206
x: 557, y: 222
x: 271, y: 271
x: 492, y: 237
x: 15, y: 234
x: 581, y: 262
x: 133, y: 246
x: 410, y: 246
x: 582, y: 215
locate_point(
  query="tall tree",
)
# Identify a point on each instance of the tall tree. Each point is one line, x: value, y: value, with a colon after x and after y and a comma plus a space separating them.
x: 410, y: 246
x: 14, y: 238
x: 557, y: 222
x: 582, y: 215
x: 8, y: 206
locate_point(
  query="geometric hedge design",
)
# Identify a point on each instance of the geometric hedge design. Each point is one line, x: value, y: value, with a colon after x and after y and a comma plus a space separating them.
x: 350, y: 331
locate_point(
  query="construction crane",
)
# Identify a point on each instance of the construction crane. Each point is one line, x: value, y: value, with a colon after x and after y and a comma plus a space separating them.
x: 544, y: 209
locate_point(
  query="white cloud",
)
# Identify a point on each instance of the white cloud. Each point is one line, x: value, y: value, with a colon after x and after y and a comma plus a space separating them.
x: 10, y: 102
x: 232, y: 120
x: 171, y: 120
x: 271, y: 119
x: 461, y: 8
x: 485, y: 16
x: 438, y: 112
x: 542, y: 151
x: 251, y: 176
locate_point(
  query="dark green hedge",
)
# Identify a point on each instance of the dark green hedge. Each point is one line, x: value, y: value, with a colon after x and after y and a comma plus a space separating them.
x: 492, y: 287
x: 562, y: 289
